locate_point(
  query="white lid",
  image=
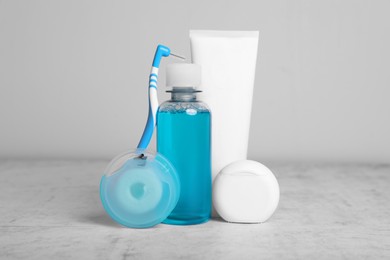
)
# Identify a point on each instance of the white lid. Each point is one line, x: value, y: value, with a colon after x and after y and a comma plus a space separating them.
x: 183, y: 75
x: 245, y: 192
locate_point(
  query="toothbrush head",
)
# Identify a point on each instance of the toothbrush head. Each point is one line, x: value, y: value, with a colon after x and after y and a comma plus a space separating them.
x: 161, y: 51
x: 164, y: 50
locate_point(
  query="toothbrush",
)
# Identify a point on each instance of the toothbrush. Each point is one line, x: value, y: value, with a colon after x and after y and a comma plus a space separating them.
x: 161, y: 51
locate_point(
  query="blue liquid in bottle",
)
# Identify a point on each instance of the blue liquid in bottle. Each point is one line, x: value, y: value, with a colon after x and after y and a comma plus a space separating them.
x: 184, y: 138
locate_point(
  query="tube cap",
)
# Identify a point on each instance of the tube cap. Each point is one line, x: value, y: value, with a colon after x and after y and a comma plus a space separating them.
x: 183, y: 75
x: 245, y: 192
x: 139, y: 191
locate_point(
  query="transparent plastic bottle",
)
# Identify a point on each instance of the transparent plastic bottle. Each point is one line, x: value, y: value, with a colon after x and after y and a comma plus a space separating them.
x: 184, y: 138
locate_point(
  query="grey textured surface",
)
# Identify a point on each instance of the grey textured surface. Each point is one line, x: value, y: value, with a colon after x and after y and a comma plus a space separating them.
x: 51, y: 210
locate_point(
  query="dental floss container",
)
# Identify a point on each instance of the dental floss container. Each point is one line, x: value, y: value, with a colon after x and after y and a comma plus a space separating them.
x: 245, y: 192
x: 139, y: 191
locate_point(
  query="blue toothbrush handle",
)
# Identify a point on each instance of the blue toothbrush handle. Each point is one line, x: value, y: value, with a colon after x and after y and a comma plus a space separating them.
x: 161, y: 51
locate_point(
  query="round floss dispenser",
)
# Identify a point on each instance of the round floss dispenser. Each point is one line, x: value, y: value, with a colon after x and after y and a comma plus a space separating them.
x: 139, y: 190
x: 245, y: 192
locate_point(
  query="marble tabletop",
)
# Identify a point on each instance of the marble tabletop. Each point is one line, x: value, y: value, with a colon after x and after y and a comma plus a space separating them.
x: 50, y: 209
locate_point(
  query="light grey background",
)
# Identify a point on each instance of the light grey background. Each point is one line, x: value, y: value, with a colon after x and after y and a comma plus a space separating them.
x: 73, y: 75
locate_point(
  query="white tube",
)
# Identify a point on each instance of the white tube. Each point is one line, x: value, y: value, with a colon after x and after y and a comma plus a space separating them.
x: 228, y: 61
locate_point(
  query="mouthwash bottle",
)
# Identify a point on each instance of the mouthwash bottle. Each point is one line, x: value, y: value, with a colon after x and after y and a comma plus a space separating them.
x: 184, y: 138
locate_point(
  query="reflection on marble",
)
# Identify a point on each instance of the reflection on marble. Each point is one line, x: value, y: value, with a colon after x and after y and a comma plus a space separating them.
x: 51, y: 210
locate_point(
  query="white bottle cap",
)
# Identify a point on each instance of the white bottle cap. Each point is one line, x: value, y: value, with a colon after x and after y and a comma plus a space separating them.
x: 245, y: 192
x: 183, y: 75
